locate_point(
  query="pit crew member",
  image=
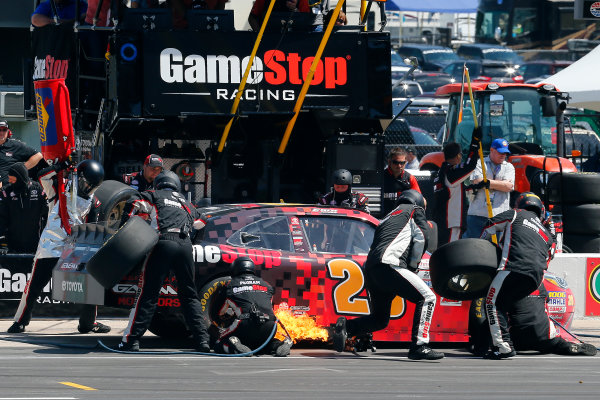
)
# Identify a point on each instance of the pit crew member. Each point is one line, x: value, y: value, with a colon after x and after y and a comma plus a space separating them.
x: 12, y: 151
x: 144, y: 179
x: 398, y: 245
x: 396, y: 179
x: 342, y: 195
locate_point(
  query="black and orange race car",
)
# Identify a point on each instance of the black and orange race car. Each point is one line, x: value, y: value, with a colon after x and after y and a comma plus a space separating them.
x: 311, y: 254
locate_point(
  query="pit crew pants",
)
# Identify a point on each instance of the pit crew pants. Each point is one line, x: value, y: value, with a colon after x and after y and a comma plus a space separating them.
x: 506, y: 288
x: 384, y: 283
x: 170, y: 253
x: 40, y: 276
x: 250, y: 332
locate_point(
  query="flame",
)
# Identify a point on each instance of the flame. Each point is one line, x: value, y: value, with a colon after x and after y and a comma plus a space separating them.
x: 300, y: 327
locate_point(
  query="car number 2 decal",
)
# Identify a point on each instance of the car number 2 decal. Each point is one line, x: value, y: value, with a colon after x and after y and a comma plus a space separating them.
x: 351, y: 283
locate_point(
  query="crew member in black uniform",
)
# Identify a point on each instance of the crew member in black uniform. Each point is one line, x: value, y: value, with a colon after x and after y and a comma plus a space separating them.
x: 342, y: 195
x: 527, y: 246
x: 144, y: 179
x: 450, y: 210
x: 249, y: 307
x: 23, y: 211
x: 396, y: 179
x: 390, y: 270
x: 12, y: 151
x: 174, y: 218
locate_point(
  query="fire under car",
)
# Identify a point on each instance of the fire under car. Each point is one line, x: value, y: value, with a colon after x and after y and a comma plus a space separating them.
x: 311, y: 254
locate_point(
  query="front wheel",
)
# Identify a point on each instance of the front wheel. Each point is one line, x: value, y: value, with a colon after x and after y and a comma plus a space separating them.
x: 212, y: 296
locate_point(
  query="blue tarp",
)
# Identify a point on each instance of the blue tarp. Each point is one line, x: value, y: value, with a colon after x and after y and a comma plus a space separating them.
x: 444, y: 6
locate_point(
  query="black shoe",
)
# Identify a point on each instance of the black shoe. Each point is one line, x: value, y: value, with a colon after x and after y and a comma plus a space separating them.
x: 16, y: 328
x: 583, y: 349
x: 96, y: 328
x: 237, y: 347
x: 424, y: 352
x: 203, y: 347
x: 133, y: 345
x: 340, y: 335
x: 496, y: 355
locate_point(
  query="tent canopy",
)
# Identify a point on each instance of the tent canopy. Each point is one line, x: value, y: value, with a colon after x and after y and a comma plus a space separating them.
x: 579, y: 80
x: 442, y: 6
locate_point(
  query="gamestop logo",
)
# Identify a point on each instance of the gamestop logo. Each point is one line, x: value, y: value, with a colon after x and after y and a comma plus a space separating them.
x: 275, y: 68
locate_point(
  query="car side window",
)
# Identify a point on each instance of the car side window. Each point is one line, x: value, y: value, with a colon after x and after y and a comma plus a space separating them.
x: 269, y: 233
x: 337, y: 235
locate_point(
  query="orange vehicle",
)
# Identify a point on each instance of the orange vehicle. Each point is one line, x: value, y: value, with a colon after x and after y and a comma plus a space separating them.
x: 529, y: 117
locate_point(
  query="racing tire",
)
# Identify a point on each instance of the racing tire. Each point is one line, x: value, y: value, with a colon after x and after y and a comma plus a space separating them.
x: 122, y: 252
x: 574, y: 188
x: 583, y: 219
x: 169, y: 325
x: 582, y: 243
x: 463, y: 269
x: 479, y: 330
x: 432, y: 236
x: 109, y: 203
x: 212, y: 296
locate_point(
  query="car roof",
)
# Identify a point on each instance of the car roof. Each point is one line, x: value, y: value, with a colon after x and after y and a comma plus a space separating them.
x: 484, y: 46
x: 424, y: 46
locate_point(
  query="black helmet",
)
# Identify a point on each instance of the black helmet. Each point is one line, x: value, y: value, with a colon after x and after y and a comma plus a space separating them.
x: 90, y: 175
x: 242, y: 265
x: 411, y: 196
x: 529, y: 201
x: 342, y: 177
x: 167, y: 180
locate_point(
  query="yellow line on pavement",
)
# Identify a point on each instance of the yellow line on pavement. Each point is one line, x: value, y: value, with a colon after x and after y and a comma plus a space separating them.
x: 75, y: 385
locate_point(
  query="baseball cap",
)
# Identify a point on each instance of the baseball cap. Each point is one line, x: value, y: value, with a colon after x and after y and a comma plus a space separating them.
x: 154, y: 160
x: 500, y: 145
x: 3, y: 124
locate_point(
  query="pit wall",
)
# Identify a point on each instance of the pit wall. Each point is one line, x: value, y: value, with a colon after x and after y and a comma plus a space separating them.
x: 582, y: 273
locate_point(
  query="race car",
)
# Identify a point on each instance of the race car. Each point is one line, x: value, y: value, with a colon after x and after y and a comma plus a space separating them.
x: 311, y: 254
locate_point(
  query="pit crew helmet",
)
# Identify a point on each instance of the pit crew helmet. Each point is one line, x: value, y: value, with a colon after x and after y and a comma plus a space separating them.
x: 342, y: 177
x: 90, y: 175
x: 242, y: 265
x: 530, y: 201
x: 167, y: 180
x: 411, y: 196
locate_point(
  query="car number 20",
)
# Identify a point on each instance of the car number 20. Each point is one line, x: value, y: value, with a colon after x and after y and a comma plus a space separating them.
x: 351, y: 283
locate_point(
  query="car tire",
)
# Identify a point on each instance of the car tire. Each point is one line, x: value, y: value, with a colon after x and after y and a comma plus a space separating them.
x: 122, y: 252
x: 463, y: 269
x: 582, y: 243
x: 479, y: 331
x: 109, y: 202
x: 583, y: 219
x: 212, y: 296
x: 574, y: 188
x: 169, y: 325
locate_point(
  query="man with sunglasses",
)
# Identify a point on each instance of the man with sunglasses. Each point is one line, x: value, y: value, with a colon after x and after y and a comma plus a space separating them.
x: 13, y: 151
x: 396, y: 179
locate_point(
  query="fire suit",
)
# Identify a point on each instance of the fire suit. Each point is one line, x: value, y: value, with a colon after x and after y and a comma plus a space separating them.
x: 451, y: 205
x: 393, y: 188
x: 248, y: 305
x: 348, y: 199
x: 526, y: 248
x: 173, y: 217
x: 49, y: 250
x: 23, y: 214
x: 398, y: 245
x: 137, y: 181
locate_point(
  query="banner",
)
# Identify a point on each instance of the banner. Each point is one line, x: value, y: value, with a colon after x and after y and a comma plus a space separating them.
x: 592, y: 293
x: 53, y: 50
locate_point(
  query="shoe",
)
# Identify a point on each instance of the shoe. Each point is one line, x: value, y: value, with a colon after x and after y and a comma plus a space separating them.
x: 16, y: 328
x: 283, y: 350
x: 424, y: 352
x: 96, y: 328
x: 203, y: 347
x: 340, y: 335
x: 237, y: 347
x: 583, y: 349
x: 132, y: 346
x: 496, y: 355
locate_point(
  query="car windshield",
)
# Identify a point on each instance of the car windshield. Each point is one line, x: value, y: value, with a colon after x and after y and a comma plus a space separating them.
x: 397, y: 60
x: 337, y: 235
x: 440, y: 55
x: 268, y: 233
x: 499, y: 71
x: 500, y: 54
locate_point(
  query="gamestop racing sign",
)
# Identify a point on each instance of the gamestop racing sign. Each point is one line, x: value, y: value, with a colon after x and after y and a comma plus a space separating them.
x: 203, y: 75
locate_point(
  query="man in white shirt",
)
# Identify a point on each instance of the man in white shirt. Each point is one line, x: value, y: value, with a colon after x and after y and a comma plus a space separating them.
x: 501, y: 175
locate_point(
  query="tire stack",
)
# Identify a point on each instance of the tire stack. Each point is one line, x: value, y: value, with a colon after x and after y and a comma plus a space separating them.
x: 577, y: 196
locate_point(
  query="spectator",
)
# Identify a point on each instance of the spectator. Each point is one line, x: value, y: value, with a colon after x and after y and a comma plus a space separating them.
x: 342, y: 195
x: 144, y: 179
x: 501, y: 175
x: 12, y: 151
x: 66, y: 9
x: 260, y: 8
x: 104, y: 17
x: 396, y: 179
x: 412, y: 162
x: 23, y: 211
x: 450, y: 208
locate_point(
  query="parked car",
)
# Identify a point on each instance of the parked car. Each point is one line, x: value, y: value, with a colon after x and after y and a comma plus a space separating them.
x: 405, y: 89
x: 484, y: 51
x: 430, y: 58
x: 485, y: 71
x: 399, y: 67
x: 535, y: 69
x: 430, y: 81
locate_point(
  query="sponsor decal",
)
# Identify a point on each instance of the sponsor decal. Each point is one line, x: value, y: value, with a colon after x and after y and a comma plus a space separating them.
x: 557, y: 302
x: 50, y: 68
x: 452, y: 303
x: 72, y: 286
x: 325, y: 210
x: 14, y: 283
x: 428, y: 316
x: 69, y: 266
x: 557, y: 294
x: 210, y: 254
